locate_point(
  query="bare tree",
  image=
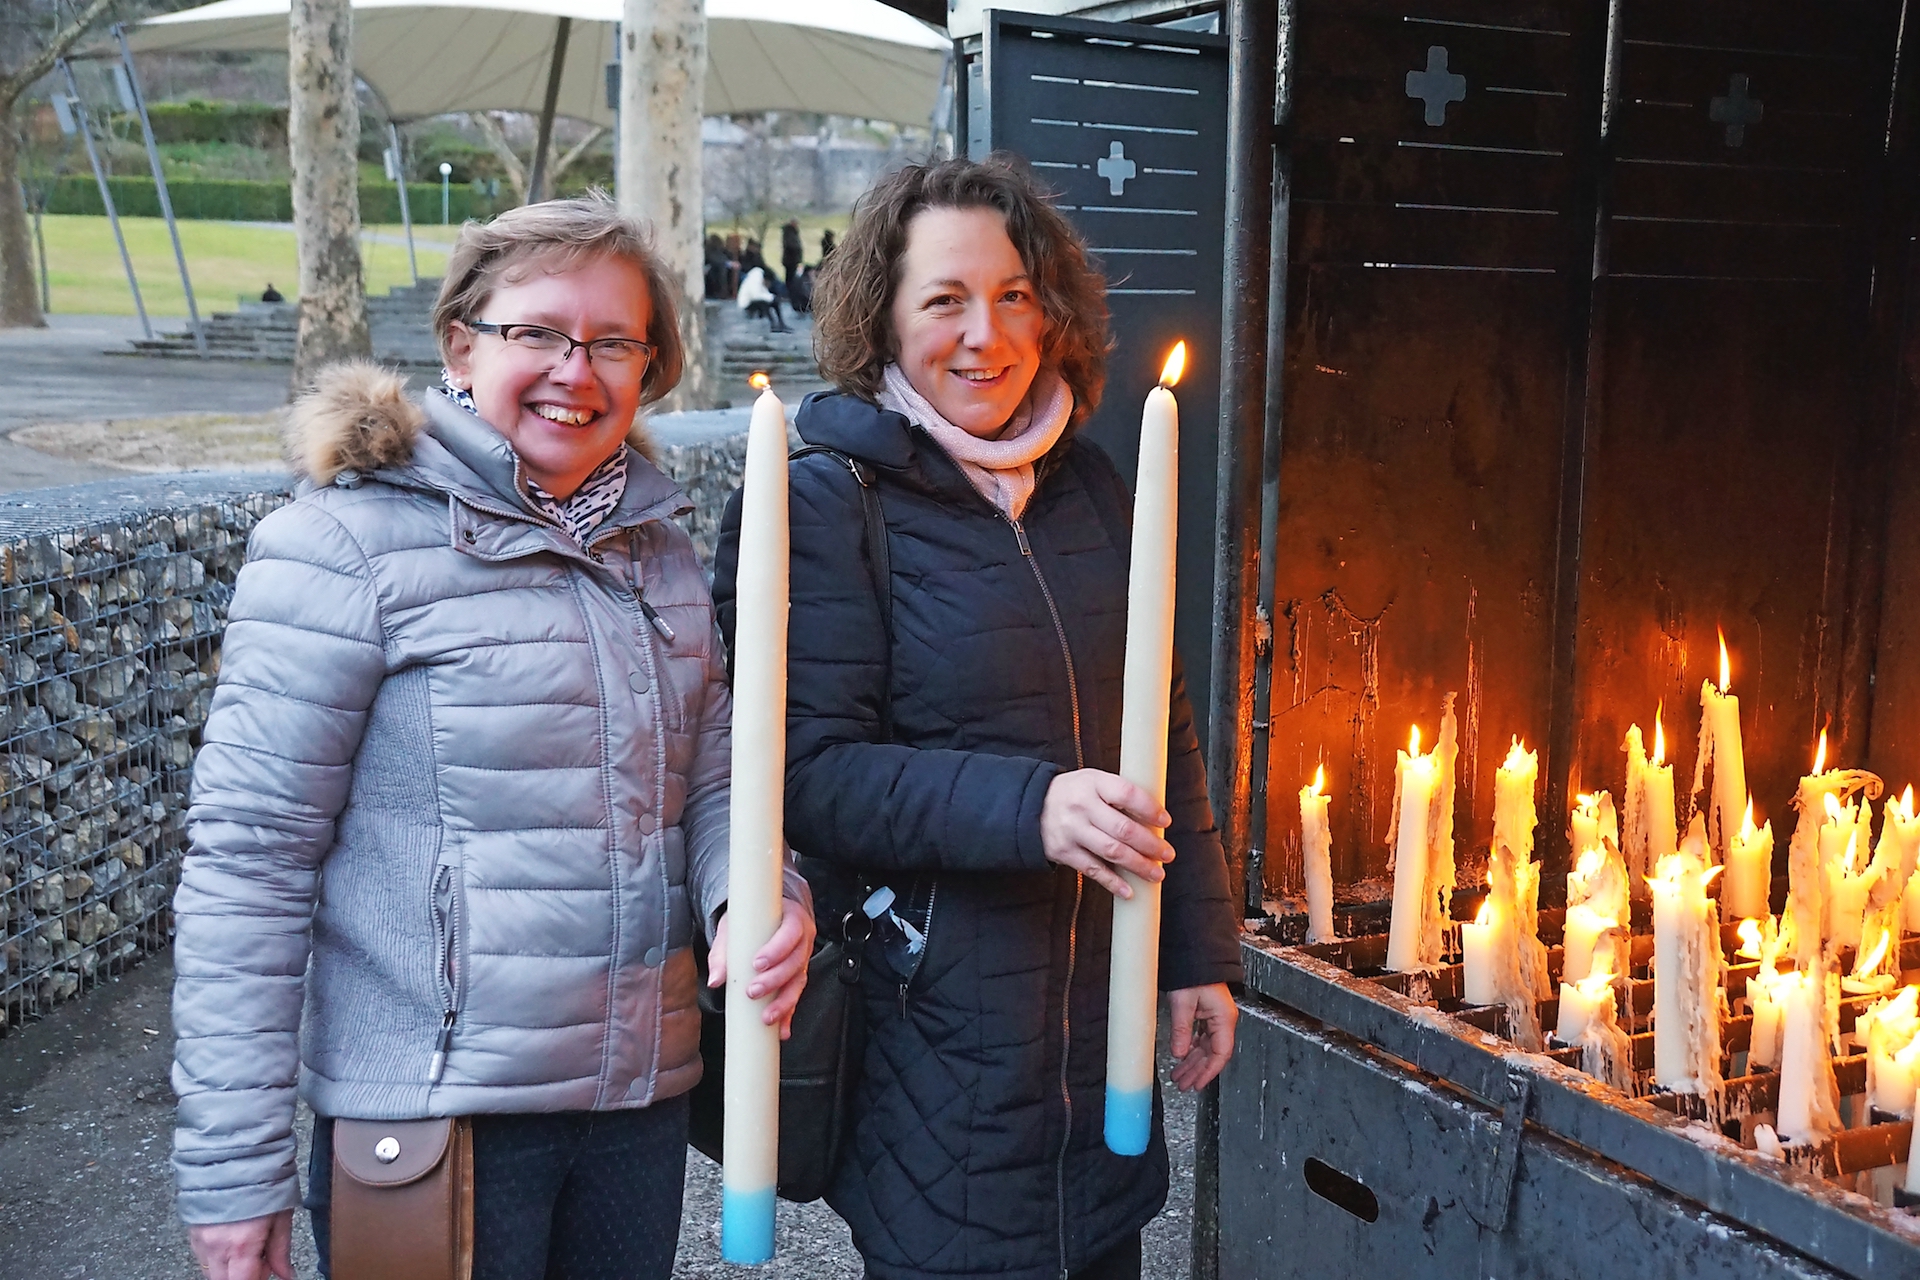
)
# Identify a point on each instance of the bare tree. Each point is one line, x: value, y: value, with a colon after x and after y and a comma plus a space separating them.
x: 496, y: 138
x: 19, y: 299
x: 663, y: 60
x: 323, y: 135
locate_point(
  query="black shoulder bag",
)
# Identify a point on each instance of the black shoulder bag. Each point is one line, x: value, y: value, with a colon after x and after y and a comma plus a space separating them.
x: 820, y: 1062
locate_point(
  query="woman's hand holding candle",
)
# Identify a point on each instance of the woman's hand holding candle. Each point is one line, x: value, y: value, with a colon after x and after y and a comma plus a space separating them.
x: 1095, y: 822
x: 779, y: 967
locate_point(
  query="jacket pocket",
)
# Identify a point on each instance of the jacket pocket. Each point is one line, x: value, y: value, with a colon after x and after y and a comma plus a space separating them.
x: 449, y: 906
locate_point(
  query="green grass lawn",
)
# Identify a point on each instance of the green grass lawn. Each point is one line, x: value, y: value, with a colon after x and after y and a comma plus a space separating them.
x: 226, y: 259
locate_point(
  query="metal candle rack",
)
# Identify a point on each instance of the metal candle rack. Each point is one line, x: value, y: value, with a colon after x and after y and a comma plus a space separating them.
x: 1374, y: 1120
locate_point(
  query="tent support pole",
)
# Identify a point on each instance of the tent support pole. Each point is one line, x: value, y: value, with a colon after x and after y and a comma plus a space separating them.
x: 536, y: 181
x: 106, y: 192
x: 160, y: 187
x: 400, y: 182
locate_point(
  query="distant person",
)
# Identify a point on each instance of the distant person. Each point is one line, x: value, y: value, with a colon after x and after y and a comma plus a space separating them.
x: 800, y: 292
x: 751, y: 257
x: 735, y: 251
x: 719, y: 271
x: 826, y: 245
x: 758, y: 300
x: 271, y: 294
x: 791, y: 254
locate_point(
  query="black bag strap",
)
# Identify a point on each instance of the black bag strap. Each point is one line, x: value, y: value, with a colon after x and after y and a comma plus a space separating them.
x: 879, y: 560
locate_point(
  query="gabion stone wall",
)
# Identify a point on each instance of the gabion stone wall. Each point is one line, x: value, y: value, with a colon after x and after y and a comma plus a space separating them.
x: 112, y: 598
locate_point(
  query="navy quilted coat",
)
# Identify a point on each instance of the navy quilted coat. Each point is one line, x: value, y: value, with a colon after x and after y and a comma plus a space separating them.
x: 977, y: 1148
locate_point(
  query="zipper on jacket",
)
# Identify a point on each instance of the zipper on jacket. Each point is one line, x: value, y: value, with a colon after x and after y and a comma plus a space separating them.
x: 926, y: 939
x: 1079, y: 891
x: 446, y: 908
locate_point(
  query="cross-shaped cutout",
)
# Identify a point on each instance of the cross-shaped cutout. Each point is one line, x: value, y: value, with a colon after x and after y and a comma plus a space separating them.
x: 1436, y: 86
x: 1736, y: 110
x: 1117, y: 169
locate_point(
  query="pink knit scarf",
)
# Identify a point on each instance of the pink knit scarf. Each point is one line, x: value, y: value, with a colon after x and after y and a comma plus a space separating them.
x: 1001, y: 469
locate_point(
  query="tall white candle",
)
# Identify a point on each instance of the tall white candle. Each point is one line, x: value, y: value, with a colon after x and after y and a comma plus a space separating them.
x: 1585, y: 928
x: 1414, y: 777
x: 1763, y: 1045
x: 750, y: 1133
x: 1316, y: 856
x: 1133, y: 993
x: 1686, y: 972
x: 1720, y: 746
x: 1892, y: 1051
x: 1808, y: 1110
x: 1749, y: 869
x: 1809, y: 851
x: 1479, y: 946
x: 1650, y: 830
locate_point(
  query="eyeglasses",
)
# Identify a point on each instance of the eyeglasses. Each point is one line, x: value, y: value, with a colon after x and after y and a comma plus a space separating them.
x: 628, y: 356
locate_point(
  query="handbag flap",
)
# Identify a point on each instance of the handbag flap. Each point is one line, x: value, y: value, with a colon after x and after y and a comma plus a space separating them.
x: 358, y: 1148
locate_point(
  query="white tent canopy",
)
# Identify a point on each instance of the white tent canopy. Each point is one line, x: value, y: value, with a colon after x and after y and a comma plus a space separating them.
x: 425, y: 57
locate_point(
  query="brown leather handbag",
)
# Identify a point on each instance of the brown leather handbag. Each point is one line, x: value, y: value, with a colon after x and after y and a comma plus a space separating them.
x: 402, y: 1199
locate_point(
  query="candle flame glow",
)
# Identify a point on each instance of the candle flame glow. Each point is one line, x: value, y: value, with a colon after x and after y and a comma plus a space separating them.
x: 1833, y: 806
x: 759, y: 381
x: 1176, y: 364
x: 1659, y: 735
x: 1486, y: 908
x: 1588, y: 803
x: 1820, y: 755
x: 1906, y: 803
x: 1747, y: 830
x: 1749, y: 932
x: 1595, y: 984
x: 1853, y: 851
x: 1707, y: 877
x: 1319, y: 780
x: 1413, y: 743
x: 1870, y: 961
x: 1726, y: 675
x: 1518, y: 757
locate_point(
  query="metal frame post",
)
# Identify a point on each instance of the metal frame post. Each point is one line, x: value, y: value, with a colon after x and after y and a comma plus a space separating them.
x: 138, y: 105
x: 537, y: 180
x: 400, y: 183
x: 85, y: 127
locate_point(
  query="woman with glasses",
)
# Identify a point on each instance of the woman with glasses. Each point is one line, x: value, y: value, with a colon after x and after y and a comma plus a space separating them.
x: 460, y: 811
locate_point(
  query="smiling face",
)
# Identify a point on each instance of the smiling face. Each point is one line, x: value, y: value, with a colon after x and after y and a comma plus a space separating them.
x: 567, y: 420
x: 966, y: 324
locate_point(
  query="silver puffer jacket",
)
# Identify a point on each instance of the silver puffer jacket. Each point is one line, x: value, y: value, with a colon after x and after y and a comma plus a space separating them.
x: 463, y: 792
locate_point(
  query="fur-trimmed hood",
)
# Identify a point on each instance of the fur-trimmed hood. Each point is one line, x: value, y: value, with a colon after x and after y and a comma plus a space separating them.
x: 359, y: 417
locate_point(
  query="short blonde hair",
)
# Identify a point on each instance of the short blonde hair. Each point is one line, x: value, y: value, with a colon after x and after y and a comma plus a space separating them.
x: 561, y: 233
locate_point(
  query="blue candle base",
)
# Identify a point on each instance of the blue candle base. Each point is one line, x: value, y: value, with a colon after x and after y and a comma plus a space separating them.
x: 746, y: 1226
x: 1129, y: 1120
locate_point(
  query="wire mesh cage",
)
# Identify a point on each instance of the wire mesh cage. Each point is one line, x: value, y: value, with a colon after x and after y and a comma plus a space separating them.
x: 113, y: 597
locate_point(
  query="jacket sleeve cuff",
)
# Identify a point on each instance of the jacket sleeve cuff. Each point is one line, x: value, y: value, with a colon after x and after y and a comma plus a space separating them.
x: 1032, y: 849
x: 237, y: 1204
x: 1195, y: 971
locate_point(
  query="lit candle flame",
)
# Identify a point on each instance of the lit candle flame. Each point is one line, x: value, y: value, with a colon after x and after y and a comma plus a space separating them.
x: 1820, y: 755
x: 1486, y: 908
x: 1709, y: 875
x: 1587, y: 802
x: 1595, y: 984
x: 1906, y: 803
x: 1319, y: 780
x: 1726, y: 675
x: 1518, y: 757
x: 1747, y: 830
x: 1659, y: 735
x: 1870, y: 962
x: 1413, y: 743
x: 1176, y: 364
x: 1832, y: 805
x: 759, y: 381
x: 1853, y: 851
x: 1749, y: 932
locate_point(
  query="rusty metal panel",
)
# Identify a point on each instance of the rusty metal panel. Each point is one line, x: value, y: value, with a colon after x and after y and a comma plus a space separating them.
x: 1433, y: 238
x: 1732, y: 324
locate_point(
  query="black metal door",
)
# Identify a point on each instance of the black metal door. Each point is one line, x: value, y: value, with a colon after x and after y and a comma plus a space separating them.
x: 1128, y: 125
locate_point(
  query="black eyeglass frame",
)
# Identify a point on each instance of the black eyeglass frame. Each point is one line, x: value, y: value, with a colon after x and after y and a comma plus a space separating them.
x: 647, y: 349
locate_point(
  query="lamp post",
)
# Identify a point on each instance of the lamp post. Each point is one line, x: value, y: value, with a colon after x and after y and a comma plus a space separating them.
x: 446, y: 172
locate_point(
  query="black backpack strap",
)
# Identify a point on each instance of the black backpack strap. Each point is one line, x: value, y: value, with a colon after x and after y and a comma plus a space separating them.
x: 879, y: 560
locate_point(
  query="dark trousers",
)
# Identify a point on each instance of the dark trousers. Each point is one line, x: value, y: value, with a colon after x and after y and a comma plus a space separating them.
x: 1122, y: 1262
x: 571, y: 1195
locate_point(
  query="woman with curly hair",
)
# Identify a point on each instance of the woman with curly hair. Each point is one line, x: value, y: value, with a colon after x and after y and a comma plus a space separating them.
x: 954, y: 730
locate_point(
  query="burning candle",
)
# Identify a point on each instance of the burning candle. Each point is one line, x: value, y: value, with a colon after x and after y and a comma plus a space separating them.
x: 1867, y: 977
x: 1720, y: 746
x: 1414, y: 779
x: 1808, y: 1110
x: 1749, y: 868
x: 1316, y: 855
x: 1893, y: 1051
x: 1686, y: 972
x: 1597, y: 903
x: 750, y: 1133
x: 1584, y: 826
x: 1847, y: 881
x: 1589, y: 1023
x: 1133, y: 992
x: 1650, y: 830
x: 1761, y: 941
x: 1585, y: 928
x: 1479, y: 944
x: 1516, y: 963
x: 1807, y: 874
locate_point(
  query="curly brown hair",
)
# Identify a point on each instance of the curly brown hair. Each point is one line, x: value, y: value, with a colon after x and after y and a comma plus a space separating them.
x: 558, y: 234
x: 853, y: 337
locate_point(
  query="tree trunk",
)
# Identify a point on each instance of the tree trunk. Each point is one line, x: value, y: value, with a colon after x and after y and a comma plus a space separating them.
x: 19, y: 295
x: 323, y: 135
x: 663, y: 76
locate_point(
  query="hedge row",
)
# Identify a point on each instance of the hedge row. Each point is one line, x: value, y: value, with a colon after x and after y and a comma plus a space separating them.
x: 250, y: 124
x: 237, y: 201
